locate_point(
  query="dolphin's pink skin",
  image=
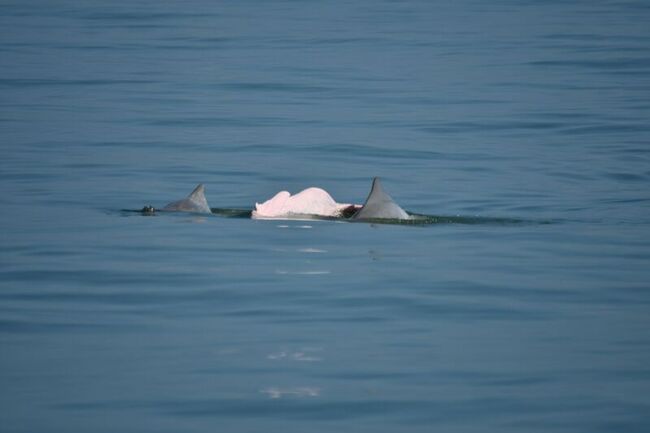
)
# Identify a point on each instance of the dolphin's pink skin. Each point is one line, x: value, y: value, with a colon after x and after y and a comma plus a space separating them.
x: 311, y: 201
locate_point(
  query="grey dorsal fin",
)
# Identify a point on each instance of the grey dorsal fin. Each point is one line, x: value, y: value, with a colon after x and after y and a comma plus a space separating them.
x: 195, y: 202
x: 197, y: 197
x: 198, y: 194
x: 380, y: 205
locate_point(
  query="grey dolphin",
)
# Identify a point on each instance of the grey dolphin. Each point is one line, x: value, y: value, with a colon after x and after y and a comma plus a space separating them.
x: 195, y: 202
x: 380, y: 205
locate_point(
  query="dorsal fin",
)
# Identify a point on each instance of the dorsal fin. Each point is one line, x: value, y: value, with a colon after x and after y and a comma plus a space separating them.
x: 380, y: 205
x: 198, y: 194
x: 198, y: 198
x: 195, y: 202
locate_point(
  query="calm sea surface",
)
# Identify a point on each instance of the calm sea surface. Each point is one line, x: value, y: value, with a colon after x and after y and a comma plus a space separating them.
x: 115, y: 322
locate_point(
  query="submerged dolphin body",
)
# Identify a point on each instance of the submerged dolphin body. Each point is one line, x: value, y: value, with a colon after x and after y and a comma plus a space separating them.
x: 311, y: 202
x: 379, y: 205
x: 315, y: 203
x: 195, y: 202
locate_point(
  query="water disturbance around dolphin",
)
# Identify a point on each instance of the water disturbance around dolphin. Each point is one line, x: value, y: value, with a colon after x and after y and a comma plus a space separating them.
x: 316, y: 204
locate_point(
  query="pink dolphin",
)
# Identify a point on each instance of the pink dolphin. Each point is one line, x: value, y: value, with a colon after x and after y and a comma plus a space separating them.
x: 317, y: 202
x: 311, y: 201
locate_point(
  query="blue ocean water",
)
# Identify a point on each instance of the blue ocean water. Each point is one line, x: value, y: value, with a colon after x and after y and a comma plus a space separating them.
x: 530, y: 110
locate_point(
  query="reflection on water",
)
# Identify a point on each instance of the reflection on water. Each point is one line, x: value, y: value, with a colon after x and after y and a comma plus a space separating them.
x: 292, y: 392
